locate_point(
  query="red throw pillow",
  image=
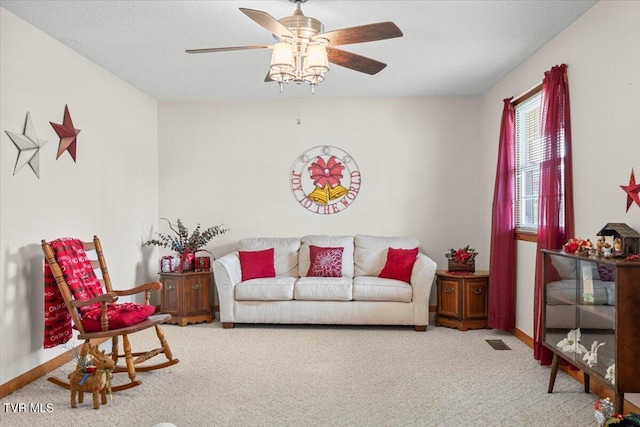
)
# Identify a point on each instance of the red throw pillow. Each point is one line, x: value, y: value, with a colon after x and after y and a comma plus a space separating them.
x: 119, y: 315
x: 257, y: 264
x: 325, y: 262
x: 399, y: 264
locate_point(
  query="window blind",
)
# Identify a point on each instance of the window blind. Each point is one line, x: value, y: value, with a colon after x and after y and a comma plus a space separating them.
x: 529, y: 154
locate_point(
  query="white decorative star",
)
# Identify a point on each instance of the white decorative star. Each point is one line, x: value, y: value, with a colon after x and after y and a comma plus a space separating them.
x: 28, y: 146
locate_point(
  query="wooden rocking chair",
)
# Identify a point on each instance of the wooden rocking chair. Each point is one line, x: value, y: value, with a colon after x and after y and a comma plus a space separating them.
x: 109, y: 296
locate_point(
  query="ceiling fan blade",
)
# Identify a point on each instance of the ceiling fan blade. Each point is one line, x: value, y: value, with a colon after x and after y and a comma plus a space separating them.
x: 268, y: 22
x: 363, y: 33
x: 268, y: 78
x: 227, y: 49
x: 354, y: 61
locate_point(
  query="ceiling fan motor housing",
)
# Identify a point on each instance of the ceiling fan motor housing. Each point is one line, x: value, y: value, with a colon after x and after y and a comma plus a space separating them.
x: 303, y: 27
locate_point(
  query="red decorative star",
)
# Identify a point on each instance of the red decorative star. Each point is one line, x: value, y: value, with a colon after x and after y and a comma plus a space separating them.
x: 67, y: 134
x: 632, y: 191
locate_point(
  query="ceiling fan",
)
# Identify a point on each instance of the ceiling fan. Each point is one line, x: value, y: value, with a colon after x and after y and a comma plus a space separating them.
x: 303, y: 51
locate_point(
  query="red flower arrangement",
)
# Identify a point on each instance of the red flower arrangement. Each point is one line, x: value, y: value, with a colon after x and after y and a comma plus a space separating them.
x: 576, y: 244
x: 462, y: 256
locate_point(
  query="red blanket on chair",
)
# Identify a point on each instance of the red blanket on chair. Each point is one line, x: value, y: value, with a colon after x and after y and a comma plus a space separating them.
x: 57, y: 320
x: 83, y: 283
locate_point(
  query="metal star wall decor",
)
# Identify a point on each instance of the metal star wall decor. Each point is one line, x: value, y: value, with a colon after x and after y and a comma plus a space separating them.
x: 67, y: 134
x: 28, y: 146
x: 632, y: 190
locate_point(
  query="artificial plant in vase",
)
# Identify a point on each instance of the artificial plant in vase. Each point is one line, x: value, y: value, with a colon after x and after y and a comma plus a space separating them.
x: 184, y: 243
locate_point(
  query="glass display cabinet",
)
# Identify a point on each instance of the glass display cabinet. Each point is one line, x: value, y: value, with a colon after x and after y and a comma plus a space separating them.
x: 591, y: 319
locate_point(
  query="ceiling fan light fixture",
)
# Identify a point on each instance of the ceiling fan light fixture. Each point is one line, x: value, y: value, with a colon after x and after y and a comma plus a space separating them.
x: 313, y: 79
x: 282, y: 58
x: 281, y: 77
x: 316, y: 60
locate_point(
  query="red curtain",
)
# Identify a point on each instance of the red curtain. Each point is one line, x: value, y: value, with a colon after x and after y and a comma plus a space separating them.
x: 555, y: 227
x: 502, y: 283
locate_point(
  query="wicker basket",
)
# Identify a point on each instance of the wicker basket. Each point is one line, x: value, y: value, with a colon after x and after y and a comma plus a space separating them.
x: 454, y: 266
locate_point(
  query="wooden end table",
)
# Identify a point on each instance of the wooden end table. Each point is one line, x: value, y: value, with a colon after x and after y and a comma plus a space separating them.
x: 186, y: 297
x: 462, y: 299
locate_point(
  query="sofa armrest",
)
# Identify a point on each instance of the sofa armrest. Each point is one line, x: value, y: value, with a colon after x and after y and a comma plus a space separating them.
x: 227, y: 274
x: 422, y: 275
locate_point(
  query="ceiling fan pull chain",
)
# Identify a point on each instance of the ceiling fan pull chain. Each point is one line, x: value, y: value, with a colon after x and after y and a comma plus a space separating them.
x: 298, y: 104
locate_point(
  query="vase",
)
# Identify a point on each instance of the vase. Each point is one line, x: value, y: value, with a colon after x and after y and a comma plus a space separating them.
x: 186, y: 261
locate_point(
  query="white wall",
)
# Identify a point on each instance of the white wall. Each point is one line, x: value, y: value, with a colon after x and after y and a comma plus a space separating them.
x: 601, y: 50
x: 111, y: 191
x: 229, y: 162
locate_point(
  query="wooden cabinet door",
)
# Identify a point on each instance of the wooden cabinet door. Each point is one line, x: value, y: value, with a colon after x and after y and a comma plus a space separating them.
x: 448, y: 297
x: 475, y: 299
x: 196, y: 294
x: 171, y: 295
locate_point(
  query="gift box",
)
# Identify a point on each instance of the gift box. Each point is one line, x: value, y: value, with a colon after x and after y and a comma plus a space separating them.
x: 202, y: 263
x: 167, y: 264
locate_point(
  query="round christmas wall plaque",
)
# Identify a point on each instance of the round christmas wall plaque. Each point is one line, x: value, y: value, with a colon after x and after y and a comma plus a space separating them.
x: 325, y: 180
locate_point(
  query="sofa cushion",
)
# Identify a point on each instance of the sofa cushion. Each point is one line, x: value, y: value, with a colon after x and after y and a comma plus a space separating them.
x: 265, y: 289
x: 369, y: 288
x: 257, y: 264
x: 325, y: 262
x: 399, y: 264
x: 119, y: 315
x: 370, y: 252
x: 285, y: 256
x: 345, y: 242
x: 566, y: 267
x: 564, y: 292
x: 324, y: 289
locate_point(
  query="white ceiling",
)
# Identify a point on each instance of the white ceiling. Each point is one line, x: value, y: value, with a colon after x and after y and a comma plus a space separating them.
x: 449, y: 48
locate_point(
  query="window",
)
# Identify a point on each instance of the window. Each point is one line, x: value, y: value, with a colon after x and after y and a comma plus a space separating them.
x: 528, y: 157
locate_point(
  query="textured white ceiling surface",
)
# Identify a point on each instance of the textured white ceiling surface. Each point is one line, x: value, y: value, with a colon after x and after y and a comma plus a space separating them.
x: 449, y: 48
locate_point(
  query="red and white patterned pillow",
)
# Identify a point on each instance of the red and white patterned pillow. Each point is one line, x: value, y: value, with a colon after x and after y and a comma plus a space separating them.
x: 325, y: 262
x: 607, y: 272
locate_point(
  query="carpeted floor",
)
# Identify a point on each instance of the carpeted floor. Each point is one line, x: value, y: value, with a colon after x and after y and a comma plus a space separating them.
x: 323, y: 376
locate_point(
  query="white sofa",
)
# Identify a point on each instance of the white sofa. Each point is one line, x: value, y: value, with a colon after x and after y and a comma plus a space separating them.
x: 358, y: 297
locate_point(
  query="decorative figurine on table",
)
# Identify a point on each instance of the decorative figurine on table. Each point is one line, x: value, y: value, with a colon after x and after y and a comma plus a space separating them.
x: 600, y: 246
x: 607, y: 251
x: 577, y: 246
x: 584, y: 247
x: 617, y: 247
